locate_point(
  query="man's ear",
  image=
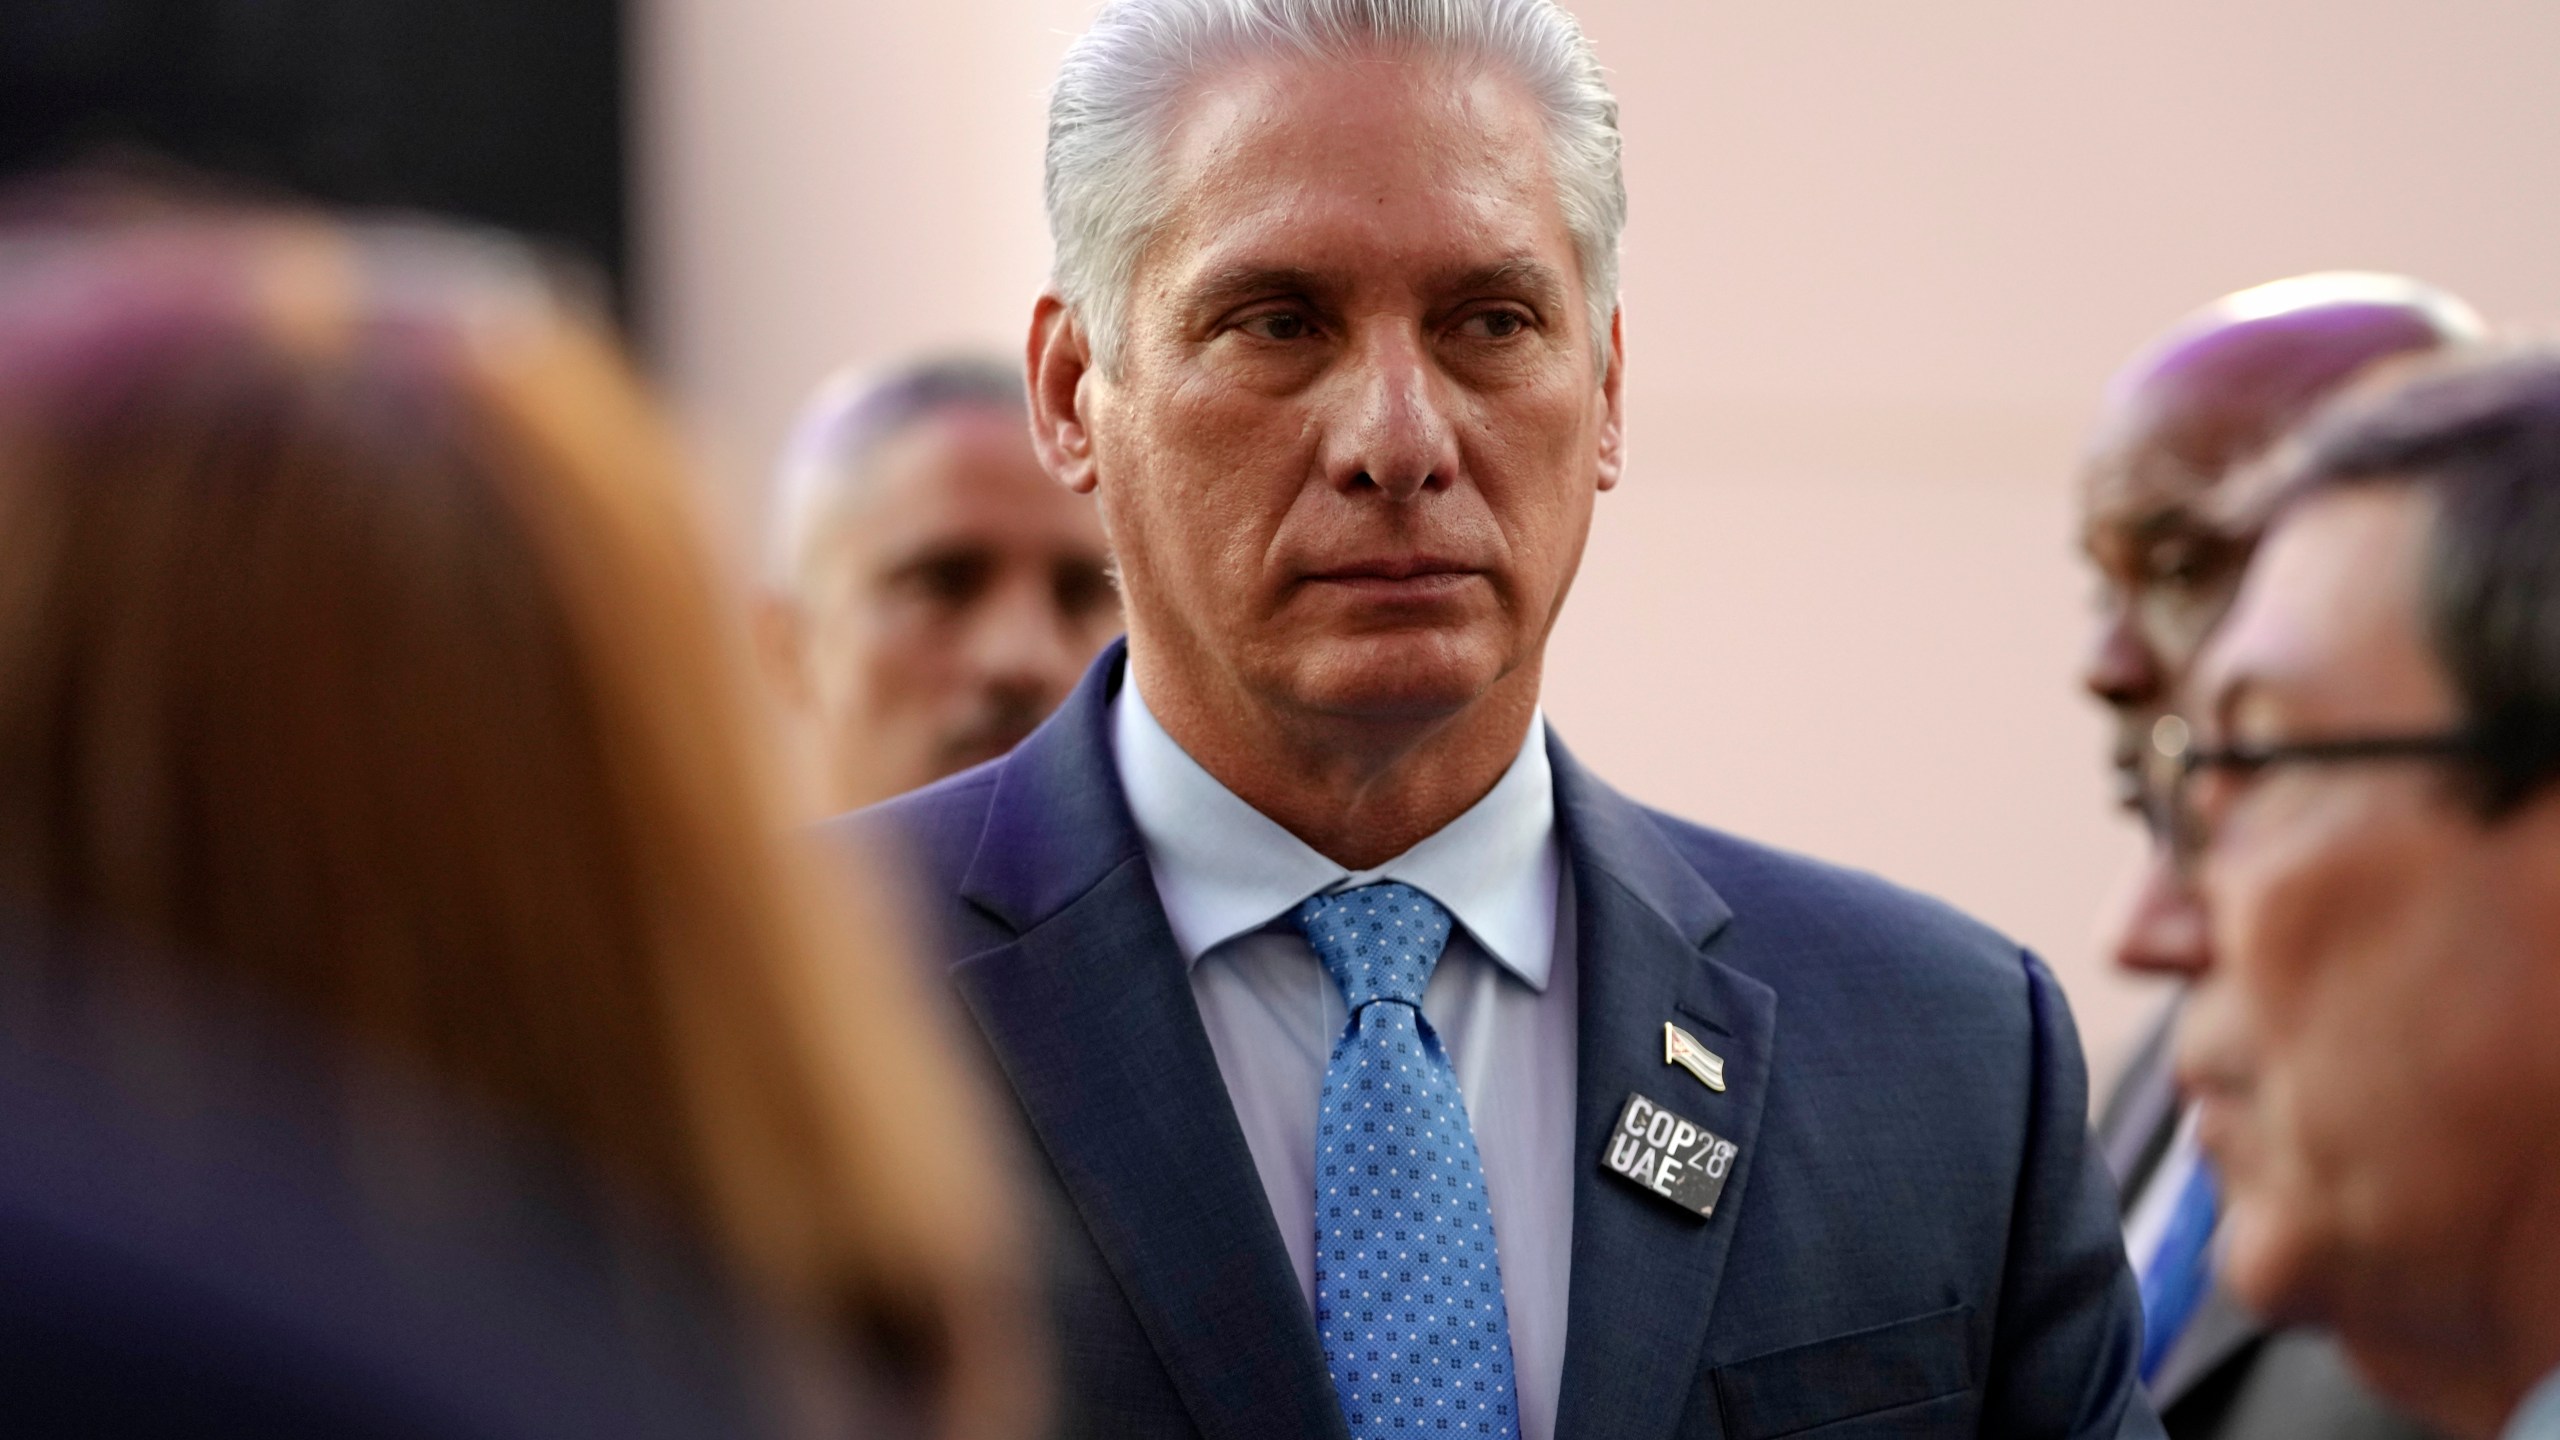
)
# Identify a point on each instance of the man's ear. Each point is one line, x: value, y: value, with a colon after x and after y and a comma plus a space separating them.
x: 1056, y: 363
x: 1613, y: 434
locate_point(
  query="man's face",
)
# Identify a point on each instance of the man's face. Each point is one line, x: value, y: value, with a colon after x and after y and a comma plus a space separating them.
x: 951, y: 607
x: 2166, y: 575
x: 1349, y: 460
x: 2371, y: 1046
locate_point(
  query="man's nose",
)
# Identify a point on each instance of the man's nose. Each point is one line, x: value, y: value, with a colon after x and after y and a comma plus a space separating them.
x: 1390, y: 429
x: 2120, y: 667
x: 1022, y: 639
x: 2162, y: 929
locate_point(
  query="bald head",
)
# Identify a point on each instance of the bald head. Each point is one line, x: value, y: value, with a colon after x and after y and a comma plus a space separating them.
x: 2224, y: 383
x: 2188, y: 410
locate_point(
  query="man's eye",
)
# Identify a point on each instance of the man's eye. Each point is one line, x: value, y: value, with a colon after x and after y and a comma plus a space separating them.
x: 2185, y: 563
x: 950, y: 582
x: 1279, y: 325
x: 1494, y: 324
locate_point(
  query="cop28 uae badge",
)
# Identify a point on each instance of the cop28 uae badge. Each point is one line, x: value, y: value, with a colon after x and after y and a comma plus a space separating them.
x: 1656, y: 1150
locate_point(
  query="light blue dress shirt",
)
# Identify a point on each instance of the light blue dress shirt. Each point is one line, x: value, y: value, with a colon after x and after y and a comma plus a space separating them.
x: 2538, y: 1418
x: 1502, y: 1001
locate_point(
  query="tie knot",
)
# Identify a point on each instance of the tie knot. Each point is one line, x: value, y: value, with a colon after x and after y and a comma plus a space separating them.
x: 1378, y: 942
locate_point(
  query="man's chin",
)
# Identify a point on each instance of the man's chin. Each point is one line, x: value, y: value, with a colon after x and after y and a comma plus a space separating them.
x: 1418, y: 675
x: 2271, y: 1256
x: 2253, y: 1264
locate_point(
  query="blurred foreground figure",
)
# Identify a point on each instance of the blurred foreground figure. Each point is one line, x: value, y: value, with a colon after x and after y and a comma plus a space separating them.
x: 356, y: 652
x: 215, y: 1223
x: 2194, y: 406
x: 1397, y: 1075
x: 2369, y: 810
x: 932, y: 593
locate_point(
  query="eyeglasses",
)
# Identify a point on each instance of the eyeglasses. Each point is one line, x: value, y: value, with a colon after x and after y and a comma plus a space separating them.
x: 2174, y: 761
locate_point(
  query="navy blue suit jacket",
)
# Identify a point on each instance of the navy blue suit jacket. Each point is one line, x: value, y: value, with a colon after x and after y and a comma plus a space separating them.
x: 1915, y: 1239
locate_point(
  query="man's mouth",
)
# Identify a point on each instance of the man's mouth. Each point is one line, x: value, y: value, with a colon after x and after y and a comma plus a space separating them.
x: 1412, y: 576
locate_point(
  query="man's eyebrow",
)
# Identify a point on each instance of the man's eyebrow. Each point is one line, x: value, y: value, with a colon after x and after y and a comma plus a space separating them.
x: 1521, y: 274
x: 1234, y: 284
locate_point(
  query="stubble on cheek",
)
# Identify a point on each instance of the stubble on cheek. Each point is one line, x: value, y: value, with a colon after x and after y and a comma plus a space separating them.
x: 1183, y: 491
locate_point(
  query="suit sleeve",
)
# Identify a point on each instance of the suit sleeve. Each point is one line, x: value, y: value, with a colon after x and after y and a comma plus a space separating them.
x: 2069, y: 1333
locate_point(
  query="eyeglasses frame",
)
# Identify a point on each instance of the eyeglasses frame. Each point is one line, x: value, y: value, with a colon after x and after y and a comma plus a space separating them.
x: 2170, y: 769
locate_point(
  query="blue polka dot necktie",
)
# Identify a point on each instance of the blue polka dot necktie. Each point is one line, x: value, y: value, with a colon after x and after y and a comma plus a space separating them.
x: 1408, y: 1285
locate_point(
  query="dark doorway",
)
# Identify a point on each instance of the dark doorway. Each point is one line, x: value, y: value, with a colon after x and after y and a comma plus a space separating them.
x: 506, y: 112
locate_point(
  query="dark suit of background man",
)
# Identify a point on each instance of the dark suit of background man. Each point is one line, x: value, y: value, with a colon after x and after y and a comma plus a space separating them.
x: 2191, y: 408
x: 1342, y: 368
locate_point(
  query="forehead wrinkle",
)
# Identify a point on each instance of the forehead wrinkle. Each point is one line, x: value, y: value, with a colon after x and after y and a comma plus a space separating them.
x: 1243, y: 118
x: 2128, y: 490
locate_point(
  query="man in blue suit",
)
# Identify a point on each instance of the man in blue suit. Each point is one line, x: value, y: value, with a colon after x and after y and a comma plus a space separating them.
x: 1388, y: 1073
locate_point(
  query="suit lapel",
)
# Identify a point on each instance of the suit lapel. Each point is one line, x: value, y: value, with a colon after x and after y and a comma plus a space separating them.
x: 1090, y: 1014
x: 1645, y: 1272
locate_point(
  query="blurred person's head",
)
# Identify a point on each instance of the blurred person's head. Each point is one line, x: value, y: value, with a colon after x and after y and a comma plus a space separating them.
x: 1332, y: 339
x: 2375, y: 836
x: 355, y: 644
x: 2191, y: 408
x: 932, y: 594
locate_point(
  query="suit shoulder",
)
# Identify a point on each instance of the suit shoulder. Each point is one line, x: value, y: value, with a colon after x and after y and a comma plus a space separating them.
x: 1848, y: 913
x: 932, y: 831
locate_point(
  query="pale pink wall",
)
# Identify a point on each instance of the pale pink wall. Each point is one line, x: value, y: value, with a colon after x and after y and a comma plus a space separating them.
x: 1882, y: 256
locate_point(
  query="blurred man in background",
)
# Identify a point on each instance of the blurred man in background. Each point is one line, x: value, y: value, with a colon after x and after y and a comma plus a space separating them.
x: 2371, y: 822
x: 2197, y: 404
x: 933, y: 594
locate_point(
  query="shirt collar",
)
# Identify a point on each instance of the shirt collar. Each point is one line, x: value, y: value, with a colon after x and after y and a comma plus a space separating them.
x: 1224, y: 869
x: 2539, y: 1415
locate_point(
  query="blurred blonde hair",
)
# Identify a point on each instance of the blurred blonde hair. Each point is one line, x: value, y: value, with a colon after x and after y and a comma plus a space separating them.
x: 356, y: 641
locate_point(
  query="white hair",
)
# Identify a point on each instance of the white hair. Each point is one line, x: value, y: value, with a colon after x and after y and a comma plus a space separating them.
x: 826, y: 464
x: 1123, y: 79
